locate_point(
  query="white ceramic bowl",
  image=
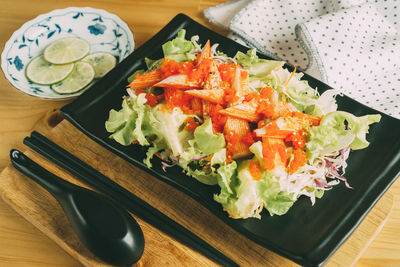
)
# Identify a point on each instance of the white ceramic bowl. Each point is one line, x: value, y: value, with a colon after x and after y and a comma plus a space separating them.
x: 104, y: 32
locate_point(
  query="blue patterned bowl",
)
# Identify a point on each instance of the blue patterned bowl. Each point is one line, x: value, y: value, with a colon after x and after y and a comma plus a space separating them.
x: 105, y: 32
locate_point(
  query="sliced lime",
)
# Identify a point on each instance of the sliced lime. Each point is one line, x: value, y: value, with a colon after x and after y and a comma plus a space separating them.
x: 42, y: 72
x: 80, y: 77
x: 101, y: 62
x: 66, y: 50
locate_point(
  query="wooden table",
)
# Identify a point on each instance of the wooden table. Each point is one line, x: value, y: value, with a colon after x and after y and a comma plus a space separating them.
x: 21, y: 244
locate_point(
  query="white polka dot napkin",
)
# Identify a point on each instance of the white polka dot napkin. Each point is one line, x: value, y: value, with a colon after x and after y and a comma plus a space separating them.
x: 352, y: 45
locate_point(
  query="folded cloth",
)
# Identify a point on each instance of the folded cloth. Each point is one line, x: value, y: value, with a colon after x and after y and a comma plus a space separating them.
x: 352, y: 45
x: 222, y: 14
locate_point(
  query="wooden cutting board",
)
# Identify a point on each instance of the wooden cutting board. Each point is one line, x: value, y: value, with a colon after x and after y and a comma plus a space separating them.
x: 43, y: 211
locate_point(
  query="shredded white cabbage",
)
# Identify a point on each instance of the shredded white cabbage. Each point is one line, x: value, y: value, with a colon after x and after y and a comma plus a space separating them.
x: 311, y: 177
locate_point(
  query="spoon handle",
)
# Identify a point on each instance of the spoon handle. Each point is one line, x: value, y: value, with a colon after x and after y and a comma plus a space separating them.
x: 56, y: 186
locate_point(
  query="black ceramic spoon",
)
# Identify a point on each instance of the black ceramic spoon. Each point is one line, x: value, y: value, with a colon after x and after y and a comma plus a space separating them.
x: 106, y: 229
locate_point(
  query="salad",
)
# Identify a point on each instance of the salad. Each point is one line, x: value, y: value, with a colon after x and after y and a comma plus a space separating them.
x: 246, y: 124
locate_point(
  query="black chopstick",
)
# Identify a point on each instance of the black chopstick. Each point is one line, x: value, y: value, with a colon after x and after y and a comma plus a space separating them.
x: 137, y: 206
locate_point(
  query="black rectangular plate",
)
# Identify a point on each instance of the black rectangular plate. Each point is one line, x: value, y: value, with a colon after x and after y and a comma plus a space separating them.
x: 307, y: 234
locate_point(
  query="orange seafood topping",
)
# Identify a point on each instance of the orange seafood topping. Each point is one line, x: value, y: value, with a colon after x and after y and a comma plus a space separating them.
x: 299, y: 159
x: 152, y: 100
x: 231, y: 141
x: 249, y: 138
x: 266, y: 92
x: 218, y: 120
x: 296, y: 139
x: 145, y: 80
x: 250, y: 96
x: 266, y: 109
x: 230, y: 96
x: 221, y: 92
x: 227, y: 72
x: 170, y: 67
x: 194, y: 72
x: 255, y: 170
x: 177, y: 98
x: 274, y: 131
x: 274, y: 153
x: 201, y: 72
x: 313, y: 120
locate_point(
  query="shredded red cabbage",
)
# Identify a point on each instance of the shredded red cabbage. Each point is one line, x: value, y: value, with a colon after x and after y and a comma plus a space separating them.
x: 321, y: 184
x: 334, y: 174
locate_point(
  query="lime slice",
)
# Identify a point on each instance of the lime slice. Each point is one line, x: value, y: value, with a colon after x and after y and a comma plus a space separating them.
x: 42, y: 72
x: 66, y: 50
x: 101, y: 63
x: 80, y: 77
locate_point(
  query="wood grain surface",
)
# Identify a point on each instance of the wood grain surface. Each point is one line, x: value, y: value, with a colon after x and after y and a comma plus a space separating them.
x: 21, y: 243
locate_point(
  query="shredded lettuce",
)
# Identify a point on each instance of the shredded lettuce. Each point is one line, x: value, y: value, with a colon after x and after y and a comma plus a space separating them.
x: 206, y: 177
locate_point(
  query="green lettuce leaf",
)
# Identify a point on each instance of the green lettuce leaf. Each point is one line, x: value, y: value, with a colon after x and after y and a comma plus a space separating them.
x: 157, y: 145
x: 225, y: 171
x: 333, y: 135
x: 138, y: 122
x: 152, y: 64
x: 227, y: 180
x: 257, y: 67
x: 206, y: 140
x: 244, y: 201
x: 131, y: 78
x: 195, y: 168
x: 242, y: 196
x: 209, y: 178
x: 218, y: 171
x: 256, y: 149
x: 129, y: 123
x: 180, y: 49
x: 323, y: 105
x: 358, y: 126
x: 277, y: 202
x: 169, y: 126
x: 299, y: 92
